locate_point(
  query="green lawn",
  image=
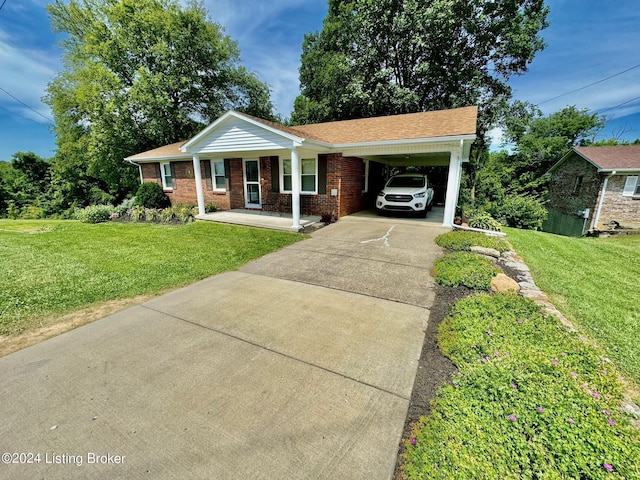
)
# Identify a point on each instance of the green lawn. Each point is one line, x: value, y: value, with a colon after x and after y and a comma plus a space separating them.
x: 595, y: 283
x: 53, y: 267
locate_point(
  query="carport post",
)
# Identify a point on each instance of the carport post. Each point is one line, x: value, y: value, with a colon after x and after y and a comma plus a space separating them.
x: 197, y: 173
x: 453, y: 187
x: 295, y: 187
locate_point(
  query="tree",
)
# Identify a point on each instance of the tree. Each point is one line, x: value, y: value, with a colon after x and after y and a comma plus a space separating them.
x: 140, y: 74
x: 380, y: 57
x: 24, y: 181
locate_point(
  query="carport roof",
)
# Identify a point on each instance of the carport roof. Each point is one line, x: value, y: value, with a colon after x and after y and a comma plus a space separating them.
x: 436, y: 124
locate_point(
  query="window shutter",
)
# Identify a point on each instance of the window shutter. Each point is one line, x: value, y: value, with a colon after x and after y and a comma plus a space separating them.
x: 275, y: 174
x: 174, y: 184
x: 205, y: 166
x: 227, y: 174
x: 158, y: 173
x: 630, y: 186
x: 322, y: 175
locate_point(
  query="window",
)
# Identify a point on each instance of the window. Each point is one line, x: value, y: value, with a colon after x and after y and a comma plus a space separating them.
x: 167, y: 178
x: 218, y: 176
x: 308, y: 176
x: 631, y: 186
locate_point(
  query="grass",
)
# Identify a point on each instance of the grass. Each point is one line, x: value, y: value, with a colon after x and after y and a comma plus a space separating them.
x: 465, y: 268
x: 464, y: 240
x: 54, y: 267
x: 594, y: 283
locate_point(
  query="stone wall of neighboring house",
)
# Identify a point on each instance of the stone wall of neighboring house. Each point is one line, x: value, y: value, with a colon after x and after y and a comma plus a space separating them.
x: 185, y: 185
x: 616, y: 207
x: 574, y: 186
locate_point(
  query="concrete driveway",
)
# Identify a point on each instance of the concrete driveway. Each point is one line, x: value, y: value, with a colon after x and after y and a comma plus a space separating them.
x: 300, y: 365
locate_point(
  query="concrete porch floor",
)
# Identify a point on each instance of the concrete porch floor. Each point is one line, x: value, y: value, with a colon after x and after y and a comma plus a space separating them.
x: 257, y: 218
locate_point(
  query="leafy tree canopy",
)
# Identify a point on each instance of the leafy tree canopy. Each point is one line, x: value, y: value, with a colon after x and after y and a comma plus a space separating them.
x: 380, y: 57
x: 140, y: 74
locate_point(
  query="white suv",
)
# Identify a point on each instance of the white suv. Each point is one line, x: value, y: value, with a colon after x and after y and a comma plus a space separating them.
x: 406, y: 193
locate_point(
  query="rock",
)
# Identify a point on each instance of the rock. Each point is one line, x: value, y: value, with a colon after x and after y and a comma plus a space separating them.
x: 489, y: 252
x: 501, y: 283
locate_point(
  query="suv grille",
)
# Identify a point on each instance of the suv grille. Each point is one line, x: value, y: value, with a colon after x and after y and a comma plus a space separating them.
x: 398, y: 198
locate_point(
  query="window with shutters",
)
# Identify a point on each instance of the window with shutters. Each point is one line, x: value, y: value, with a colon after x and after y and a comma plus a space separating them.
x: 167, y: 177
x: 308, y: 176
x: 218, y: 176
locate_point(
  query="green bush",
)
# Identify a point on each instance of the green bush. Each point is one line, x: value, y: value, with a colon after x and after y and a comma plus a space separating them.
x: 125, y: 207
x: 150, y: 195
x: 464, y: 268
x: 461, y: 240
x: 520, y: 212
x: 210, y: 207
x: 531, y: 401
x: 32, y: 212
x: 484, y: 221
x: 94, y: 213
x: 138, y: 214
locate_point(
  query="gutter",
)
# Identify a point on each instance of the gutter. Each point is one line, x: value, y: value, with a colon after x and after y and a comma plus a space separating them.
x: 139, y: 168
x: 596, y: 219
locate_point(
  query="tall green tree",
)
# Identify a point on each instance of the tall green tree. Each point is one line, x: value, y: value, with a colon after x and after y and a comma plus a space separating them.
x: 140, y: 74
x: 24, y: 181
x: 378, y: 57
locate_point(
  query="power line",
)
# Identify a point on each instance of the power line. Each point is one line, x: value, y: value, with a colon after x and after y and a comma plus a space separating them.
x: 16, y: 113
x: 5, y: 1
x: 590, y: 85
x: 22, y: 103
x: 623, y: 103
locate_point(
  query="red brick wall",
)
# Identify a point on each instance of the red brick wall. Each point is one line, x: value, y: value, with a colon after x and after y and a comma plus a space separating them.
x: 343, y: 175
x: 185, y: 191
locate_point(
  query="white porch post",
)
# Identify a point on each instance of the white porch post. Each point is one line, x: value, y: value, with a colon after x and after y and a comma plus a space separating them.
x: 295, y: 187
x: 198, y: 178
x: 453, y: 187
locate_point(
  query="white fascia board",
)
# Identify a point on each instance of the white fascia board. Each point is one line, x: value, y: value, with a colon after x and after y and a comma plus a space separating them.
x: 410, y: 141
x: 239, y: 116
x: 624, y: 171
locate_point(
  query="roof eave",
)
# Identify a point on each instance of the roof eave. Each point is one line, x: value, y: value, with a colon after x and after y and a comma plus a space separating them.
x: 407, y: 141
x: 158, y: 158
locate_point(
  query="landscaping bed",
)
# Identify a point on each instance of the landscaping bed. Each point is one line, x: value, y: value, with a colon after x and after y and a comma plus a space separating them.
x: 505, y: 390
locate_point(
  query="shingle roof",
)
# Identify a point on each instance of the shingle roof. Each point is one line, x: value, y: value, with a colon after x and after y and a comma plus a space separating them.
x: 439, y: 123
x: 169, y: 151
x: 616, y: 157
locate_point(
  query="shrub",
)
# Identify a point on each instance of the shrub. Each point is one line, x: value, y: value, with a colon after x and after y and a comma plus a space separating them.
x: 530, y: 401
x: 520, y: 212
x: 461, y: 240
x: 125, y: 207
x: 465, y: 268
x: 484, y: 221
x: 94, y: 213
x: 185, y: 213
x: 153, y: 215
x: 150, y: 195
x: 32, y: 212
x: 210, y: 207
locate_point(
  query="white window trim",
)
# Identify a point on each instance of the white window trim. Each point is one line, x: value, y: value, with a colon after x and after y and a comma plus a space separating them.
x: 631, y: 185
x: 302, y: 192
x: 213, y: 176
x: 162, y: 175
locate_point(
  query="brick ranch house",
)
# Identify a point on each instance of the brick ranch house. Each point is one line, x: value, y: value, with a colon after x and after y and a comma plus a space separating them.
x: 244, y: 162
x: 592, y: 187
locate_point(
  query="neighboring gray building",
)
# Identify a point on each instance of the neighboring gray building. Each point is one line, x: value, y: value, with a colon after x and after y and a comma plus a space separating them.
x: 592, y: 188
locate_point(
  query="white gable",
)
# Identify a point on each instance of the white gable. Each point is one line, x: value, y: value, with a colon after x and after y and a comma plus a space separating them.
x: 235, y: 134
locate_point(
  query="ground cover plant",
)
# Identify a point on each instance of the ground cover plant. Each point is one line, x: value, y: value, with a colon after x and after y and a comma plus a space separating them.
x: 594, y: 283
x: 531, y: 400
x: 464, y: 240
x: 465, y: 268
x: 52, y: 267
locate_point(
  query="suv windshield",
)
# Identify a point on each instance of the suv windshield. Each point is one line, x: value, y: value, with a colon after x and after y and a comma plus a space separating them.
x: 412, y: 182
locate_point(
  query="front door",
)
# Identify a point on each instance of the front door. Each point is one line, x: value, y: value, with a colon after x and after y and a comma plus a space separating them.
x: 251, y: 173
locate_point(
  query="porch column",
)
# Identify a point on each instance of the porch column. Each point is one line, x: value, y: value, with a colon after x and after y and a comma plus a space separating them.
x: 453, y: 187
x: 198, y: 178
x: 295, y: 187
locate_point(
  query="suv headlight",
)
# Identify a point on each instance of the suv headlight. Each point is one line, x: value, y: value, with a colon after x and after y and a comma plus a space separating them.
x: 419, y: 195
x: 381, y: 194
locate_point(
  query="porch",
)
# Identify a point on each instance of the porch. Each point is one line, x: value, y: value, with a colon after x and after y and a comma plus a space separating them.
x: 261, y: 219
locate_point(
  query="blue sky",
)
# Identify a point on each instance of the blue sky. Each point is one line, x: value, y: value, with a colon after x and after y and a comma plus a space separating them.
x: 587, y: 41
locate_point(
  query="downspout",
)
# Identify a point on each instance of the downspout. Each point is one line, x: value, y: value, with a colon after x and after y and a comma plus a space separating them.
x: 596, y: 219
x: 139, y: 169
